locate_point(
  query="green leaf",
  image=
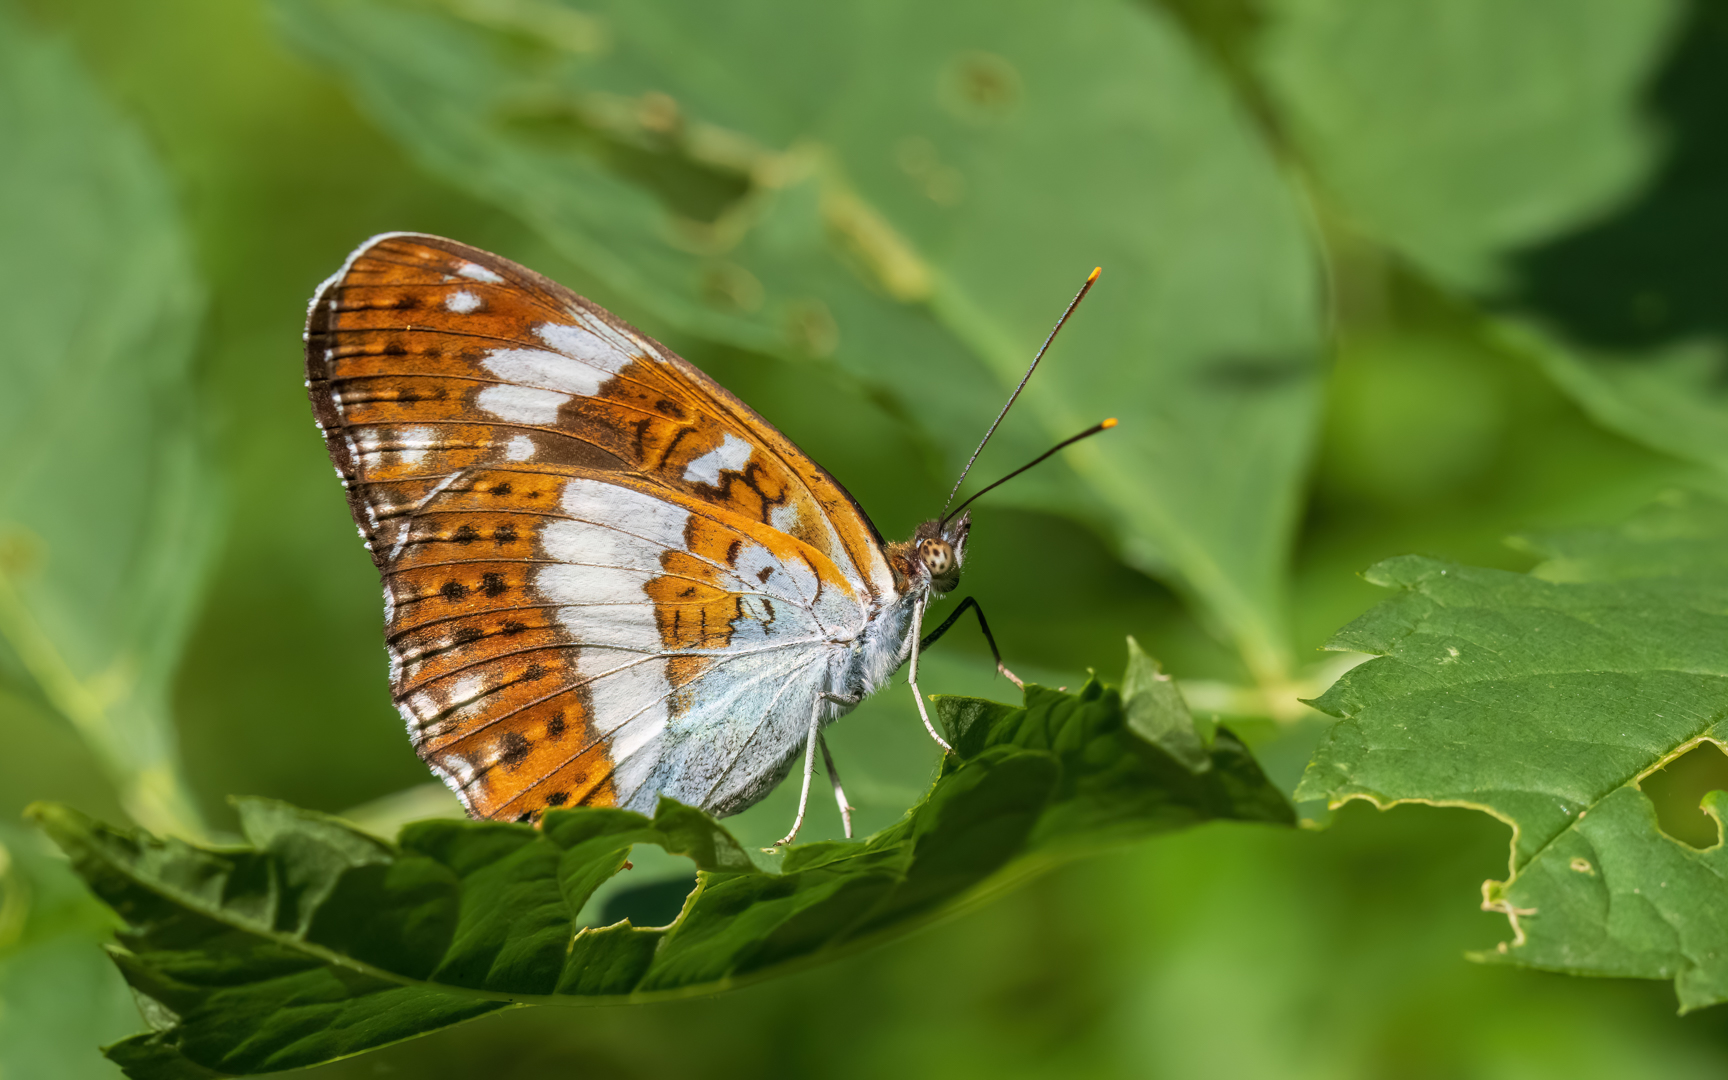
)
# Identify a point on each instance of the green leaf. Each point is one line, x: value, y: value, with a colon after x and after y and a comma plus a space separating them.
x: 1557, y: 159
x: 1459, y: 132
x: 1667, y: 395
x: 106, y: 518
x: 314, y: 940
x: 746, y: 173
x: 1550, y: 700
x: 1157, y: 711
x: 1632, y: 294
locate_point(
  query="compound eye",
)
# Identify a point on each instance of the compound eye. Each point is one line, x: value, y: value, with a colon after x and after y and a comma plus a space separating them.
x: 938, y: 557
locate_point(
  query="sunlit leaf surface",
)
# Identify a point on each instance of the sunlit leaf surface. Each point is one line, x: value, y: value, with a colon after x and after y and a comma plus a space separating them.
x: 1550, y: 700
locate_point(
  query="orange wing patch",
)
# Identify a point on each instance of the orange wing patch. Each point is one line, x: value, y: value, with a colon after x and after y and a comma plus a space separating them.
x: 421, y: 353
x: 574, y: 526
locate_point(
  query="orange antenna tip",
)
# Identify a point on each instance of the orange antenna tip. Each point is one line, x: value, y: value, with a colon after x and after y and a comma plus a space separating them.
x: 1087, y: 434
x: 1024, y: 379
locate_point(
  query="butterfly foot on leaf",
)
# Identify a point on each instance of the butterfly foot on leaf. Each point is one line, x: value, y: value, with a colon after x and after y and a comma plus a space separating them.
x: 1013, y: 678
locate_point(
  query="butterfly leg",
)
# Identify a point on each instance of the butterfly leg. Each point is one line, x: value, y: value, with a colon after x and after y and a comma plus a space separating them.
x: 912, y: 677
x: 954, y: 617
x: 810, y: 762
x: 839, y: 792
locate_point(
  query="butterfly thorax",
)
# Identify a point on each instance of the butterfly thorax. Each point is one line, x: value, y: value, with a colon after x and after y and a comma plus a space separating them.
x: 927, y: 564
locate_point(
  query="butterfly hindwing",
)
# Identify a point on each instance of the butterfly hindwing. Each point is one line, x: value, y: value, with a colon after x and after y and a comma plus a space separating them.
x: 605, y: 577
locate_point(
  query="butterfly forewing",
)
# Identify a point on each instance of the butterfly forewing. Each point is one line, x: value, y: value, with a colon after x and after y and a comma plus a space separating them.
x: 604, y: 576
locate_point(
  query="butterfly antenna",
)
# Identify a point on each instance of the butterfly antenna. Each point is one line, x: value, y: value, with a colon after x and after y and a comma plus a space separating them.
x: 1104, y: 425
x: 1072, y: 304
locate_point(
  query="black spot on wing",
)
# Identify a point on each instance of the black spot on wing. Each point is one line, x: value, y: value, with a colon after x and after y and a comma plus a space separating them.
x: 513, y: 749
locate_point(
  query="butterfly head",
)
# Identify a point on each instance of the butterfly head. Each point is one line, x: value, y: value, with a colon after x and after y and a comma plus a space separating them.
x: 938, y: 550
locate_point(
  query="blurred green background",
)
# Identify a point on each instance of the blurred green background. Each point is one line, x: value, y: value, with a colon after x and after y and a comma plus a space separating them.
x: 1381, y: 276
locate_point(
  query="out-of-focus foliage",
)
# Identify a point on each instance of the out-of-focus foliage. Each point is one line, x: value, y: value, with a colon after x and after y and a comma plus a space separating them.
x: 1517, y: 220
x: 1509, y: 151
x: 59, y: 998
x: 819, y: 207
x: 1460, y: 132
x: 107, y: 503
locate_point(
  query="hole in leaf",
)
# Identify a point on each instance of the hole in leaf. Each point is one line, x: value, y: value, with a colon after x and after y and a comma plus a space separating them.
x: 1679, y: 787
x: 654, y: 904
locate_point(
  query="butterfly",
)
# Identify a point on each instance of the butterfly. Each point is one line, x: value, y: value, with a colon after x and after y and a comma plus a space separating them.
x: 606, y: 579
